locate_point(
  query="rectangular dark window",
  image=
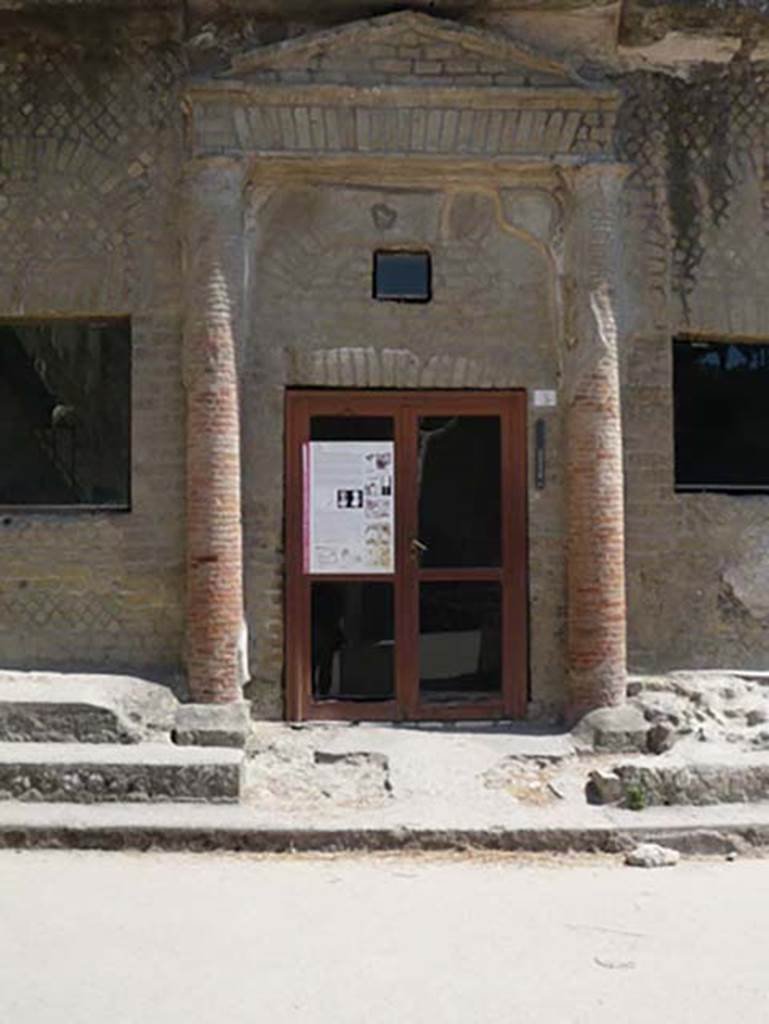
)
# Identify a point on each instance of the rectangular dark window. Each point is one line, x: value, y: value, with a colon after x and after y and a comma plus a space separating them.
x: 402, y: 276
x: 721, y: 416
x: 65, y: 413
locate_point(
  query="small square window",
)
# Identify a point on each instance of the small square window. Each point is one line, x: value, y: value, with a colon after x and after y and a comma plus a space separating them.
x: 402, y: 276
x: 721, y: 416
x: 65, y: 413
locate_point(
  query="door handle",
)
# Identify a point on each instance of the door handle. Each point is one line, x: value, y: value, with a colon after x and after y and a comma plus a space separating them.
x: 417, y: 547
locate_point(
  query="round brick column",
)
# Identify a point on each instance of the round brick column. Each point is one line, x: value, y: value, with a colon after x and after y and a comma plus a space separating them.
x: 213, y: 275
x: 596, y: 606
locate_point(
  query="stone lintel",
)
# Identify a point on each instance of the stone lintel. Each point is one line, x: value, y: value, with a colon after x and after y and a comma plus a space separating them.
x: 397, y: 170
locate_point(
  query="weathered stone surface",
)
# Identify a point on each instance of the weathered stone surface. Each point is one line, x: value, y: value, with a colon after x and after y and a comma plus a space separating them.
x: 528, y: 780
x: 28, y: 722
x: 660, y: 737
x: 144, y: 773
x: 54, y: 707
x: 212, y: 725
x: 643, y: 785
x: 747, y: 575
x: 612, y: 730
x: 603, y: 787
x: 353, y: 757
x: 282, y: 773
x: 652, y: 855
x: 711, y: 706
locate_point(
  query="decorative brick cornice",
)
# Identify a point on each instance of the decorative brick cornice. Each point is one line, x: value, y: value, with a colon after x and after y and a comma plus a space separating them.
x: 446, y: 89
x: 336, y: 120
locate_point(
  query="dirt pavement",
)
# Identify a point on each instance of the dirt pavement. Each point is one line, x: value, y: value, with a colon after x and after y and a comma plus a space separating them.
x: 89, y: 937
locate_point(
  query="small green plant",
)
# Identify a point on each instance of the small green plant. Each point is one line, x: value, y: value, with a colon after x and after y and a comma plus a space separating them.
x: 635, y: 796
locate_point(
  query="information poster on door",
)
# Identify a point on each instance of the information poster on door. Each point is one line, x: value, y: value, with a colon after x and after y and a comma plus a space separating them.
x: 349, y: 521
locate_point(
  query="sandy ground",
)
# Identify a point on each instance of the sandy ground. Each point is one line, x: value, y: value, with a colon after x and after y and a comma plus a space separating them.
x: 94, y: 937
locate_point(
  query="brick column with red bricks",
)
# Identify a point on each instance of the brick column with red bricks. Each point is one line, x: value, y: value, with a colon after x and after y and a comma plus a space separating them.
x: 596, y: 605
x: 213, y: 243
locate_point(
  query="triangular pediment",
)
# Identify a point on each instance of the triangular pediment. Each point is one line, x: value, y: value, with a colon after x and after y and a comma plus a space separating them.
x: 406, y: 47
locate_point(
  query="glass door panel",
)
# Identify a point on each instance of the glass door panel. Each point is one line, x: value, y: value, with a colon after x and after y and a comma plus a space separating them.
x: 460, y: 498
x: 460, y: 641
x: 352, y: 428
x: 353, y: 641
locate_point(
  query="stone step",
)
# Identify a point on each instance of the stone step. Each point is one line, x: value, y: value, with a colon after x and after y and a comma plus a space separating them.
x: 123, y: 773
x: 743, y: 779
x: 23, y: 721
x: 68, y: 708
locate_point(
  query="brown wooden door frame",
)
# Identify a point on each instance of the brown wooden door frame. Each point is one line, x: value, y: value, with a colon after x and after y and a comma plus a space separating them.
x: 405, y: 407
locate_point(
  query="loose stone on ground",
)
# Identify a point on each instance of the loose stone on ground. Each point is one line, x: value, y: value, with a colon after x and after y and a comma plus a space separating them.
x: 652, y: 855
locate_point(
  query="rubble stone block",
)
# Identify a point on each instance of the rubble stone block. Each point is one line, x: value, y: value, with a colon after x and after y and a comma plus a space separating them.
x: 652, y: 855
x: 612, y: 730
x: 604, y: 788
x: 212, y: 725
x: 695, y: 785
x: 660, y: 737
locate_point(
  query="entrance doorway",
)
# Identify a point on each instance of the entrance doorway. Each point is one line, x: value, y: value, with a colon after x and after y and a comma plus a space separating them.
x: 406, y: 555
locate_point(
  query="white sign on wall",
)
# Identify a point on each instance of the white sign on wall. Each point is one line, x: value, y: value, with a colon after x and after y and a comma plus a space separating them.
x: 545, y: 399
x: 349, y: 520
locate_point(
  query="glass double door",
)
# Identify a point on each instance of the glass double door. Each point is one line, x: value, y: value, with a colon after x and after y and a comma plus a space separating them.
x: 406, y: 554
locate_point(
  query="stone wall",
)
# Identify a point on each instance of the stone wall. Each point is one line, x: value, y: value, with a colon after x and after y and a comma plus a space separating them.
x: 91, y: 152
x: 698, y: 252
x: 90, y: 157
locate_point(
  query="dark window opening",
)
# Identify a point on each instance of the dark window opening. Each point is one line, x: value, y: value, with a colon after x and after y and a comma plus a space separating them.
x: 721, y: 416
x: 65, y: 413
x: 402, y: 276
